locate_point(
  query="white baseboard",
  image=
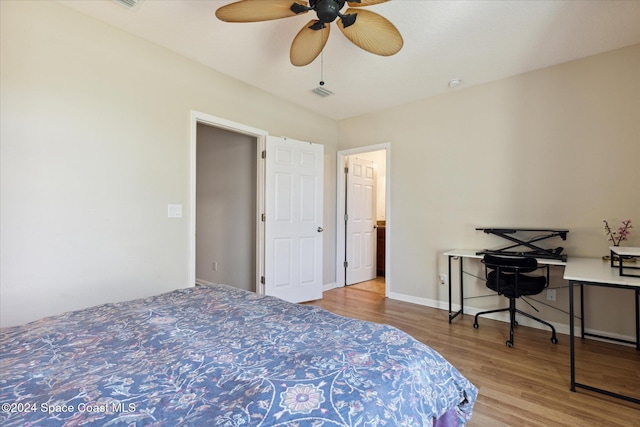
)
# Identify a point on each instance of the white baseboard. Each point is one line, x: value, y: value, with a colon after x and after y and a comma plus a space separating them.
x: 561, y: 328
x: 328, y: 286
x: 202, y: 282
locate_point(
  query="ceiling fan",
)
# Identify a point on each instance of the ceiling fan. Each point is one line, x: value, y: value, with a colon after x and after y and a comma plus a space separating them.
x: 366, y: 29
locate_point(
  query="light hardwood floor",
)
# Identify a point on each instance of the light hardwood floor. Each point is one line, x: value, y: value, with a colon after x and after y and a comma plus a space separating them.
x: 527, y: 385
x: 376, y: 285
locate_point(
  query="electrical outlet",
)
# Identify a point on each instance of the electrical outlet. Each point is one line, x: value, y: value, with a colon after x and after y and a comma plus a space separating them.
x: 215, y: 265
x: 443, y: 279
x: 551, y: 294
x: 174, y: 211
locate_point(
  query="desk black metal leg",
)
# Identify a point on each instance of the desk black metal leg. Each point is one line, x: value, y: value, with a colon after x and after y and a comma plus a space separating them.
x: 581, y: 310
x: 637, y: 319
x: 461, y: 289
x: 572, y: 338
x: 453, y: 315
x: 572, y: 352
x: 450, y: 310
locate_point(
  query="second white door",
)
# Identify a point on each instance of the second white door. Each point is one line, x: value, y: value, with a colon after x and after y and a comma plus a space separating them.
x: 361, y: 220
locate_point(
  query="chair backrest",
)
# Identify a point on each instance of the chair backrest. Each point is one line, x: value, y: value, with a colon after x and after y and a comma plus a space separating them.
x: 511, y: 264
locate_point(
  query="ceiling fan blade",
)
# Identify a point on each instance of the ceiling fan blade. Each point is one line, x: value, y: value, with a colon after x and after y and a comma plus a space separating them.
x: 365, y: 3
x: 257, y: 10
x: 308, y: 44
x: 373, y: 33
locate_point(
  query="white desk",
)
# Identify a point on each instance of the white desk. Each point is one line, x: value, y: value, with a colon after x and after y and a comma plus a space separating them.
x: 595, y: 272
x: 578, y: 271
x: 473, y: 253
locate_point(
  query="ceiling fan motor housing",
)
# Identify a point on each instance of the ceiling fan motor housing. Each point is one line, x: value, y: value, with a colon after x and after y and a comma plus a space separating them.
x: 327, y: 10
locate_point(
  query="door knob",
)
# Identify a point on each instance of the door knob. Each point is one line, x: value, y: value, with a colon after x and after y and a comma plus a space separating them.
x: 320, y: 229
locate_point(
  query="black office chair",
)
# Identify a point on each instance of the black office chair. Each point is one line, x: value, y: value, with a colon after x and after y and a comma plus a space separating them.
x: 505, y: 276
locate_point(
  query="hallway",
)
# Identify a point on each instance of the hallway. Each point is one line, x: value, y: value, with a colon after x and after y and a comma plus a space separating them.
x: 376, y: 285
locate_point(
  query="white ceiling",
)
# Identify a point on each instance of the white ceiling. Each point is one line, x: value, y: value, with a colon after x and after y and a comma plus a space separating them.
x: 477, y: 41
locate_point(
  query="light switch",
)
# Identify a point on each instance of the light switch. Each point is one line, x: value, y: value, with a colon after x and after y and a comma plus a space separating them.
x: 174, y: 211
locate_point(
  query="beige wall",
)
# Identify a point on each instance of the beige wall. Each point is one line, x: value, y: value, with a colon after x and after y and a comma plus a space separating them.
x: 95, y: 145
x: 559, y: 147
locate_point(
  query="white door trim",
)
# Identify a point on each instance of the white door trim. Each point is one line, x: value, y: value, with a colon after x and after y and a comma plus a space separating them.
x: 261, y: 136
x: 340, y: 209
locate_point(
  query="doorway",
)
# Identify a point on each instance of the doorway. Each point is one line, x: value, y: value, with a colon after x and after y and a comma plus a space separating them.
x: 380, y: 282
x: 226, y: 191
x: 257, y: 235
x: 274, y: 172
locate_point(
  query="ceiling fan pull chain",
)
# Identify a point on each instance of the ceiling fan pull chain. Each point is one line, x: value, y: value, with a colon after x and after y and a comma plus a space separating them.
x: 322, y: 68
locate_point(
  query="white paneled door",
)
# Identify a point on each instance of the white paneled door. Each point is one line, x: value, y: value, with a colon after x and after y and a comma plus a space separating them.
x: 361, y: 220
x: 293, y: 219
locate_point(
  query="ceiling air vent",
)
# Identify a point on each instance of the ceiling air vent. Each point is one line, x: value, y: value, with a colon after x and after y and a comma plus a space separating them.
x: 320, y: 91
x: 130, y: 4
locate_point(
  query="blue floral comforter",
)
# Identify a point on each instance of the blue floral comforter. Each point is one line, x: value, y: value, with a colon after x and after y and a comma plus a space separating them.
x: 220, y: 356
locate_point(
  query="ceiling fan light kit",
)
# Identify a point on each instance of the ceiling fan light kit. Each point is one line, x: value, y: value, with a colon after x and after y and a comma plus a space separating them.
x: 365, y: 29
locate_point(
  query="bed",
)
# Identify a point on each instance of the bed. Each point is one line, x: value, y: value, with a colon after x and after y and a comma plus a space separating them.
x: 221, y: 356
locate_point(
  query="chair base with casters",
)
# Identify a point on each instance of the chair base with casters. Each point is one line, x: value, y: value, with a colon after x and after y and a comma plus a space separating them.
x: 505, y: 276
x: 514, y: 322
